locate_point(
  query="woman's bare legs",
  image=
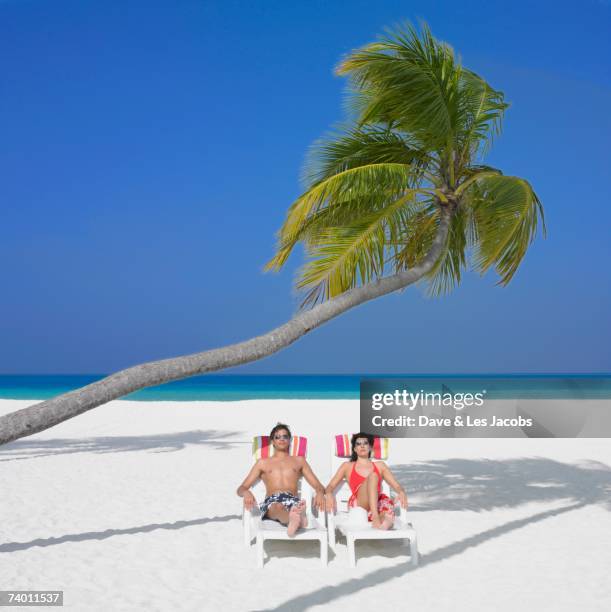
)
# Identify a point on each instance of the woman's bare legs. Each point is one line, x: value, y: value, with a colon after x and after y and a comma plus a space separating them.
x: 367, y: 497
x: 388, y: 520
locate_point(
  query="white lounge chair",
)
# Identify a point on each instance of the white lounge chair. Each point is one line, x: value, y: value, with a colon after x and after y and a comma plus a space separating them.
x: 255, y: 528
x: 402, y: 529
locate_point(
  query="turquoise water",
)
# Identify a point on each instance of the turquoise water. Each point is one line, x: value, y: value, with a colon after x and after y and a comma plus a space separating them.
x: 219, y: 387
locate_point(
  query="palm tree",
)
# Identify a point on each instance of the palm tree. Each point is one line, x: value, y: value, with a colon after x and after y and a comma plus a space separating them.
x: 398, y: 195
x: 377, y: 192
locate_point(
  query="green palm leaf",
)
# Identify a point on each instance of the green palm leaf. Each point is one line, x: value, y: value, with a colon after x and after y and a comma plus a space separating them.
x: 446, y: 273
x: 352, y: 184
x: 353, y: 148
x: 341, y: 256
x: 482, y: 109
x: 506, y: 212
x: 407, y: 80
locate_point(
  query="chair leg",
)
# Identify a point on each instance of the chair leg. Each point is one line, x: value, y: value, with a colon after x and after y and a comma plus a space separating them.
x: 413, y: 549
x: 324, y: 551
x: 332, y: 536
x: 351, y: 552
x: 247, y: 538
x: 260, y: 551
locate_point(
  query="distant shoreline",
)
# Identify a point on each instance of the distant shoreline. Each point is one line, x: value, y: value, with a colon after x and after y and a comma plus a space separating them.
x: 234, y: 387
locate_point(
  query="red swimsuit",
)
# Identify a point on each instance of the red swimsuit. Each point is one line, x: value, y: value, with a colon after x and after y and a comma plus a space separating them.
x: 385, y: 503
x: 356, y: 480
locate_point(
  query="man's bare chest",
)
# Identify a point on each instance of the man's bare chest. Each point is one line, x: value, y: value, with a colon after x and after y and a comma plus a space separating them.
x: 282, y: 469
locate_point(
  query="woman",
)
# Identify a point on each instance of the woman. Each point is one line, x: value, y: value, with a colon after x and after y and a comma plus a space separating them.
x: 365, y: 480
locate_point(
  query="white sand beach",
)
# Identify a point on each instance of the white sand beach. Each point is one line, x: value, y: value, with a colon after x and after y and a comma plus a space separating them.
x: 132, y: 506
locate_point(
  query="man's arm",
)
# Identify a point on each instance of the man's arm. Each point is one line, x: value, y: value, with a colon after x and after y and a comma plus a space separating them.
x: 243, y: 489
x: 308, y: 474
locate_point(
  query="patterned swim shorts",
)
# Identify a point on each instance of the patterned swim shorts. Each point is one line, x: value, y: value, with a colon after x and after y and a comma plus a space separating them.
x: 287, y: 499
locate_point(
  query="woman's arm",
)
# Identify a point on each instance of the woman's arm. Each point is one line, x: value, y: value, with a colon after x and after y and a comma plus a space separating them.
x: 330, y: 488
x: 389, y: 477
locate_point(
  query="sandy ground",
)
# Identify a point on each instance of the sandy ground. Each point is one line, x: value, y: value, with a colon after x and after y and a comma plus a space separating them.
x: 132, y: 506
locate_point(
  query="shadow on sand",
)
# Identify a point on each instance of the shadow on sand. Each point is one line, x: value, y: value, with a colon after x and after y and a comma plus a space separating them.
x: 161, y: 443
x: 109, y: 533
x: 476, y: 485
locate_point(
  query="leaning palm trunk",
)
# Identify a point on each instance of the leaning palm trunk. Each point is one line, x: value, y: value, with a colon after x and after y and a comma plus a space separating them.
x: 400, y: 192
x: 46, y: 414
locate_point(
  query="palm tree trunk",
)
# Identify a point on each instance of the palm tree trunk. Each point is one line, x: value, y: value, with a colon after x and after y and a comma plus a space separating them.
x: 43, y: 415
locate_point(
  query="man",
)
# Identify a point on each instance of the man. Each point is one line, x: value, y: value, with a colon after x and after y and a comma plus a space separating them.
x: 281, y: 473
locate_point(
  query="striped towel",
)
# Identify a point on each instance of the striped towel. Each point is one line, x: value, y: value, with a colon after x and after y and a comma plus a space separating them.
x: 262, y: 448
x: 343, y: 449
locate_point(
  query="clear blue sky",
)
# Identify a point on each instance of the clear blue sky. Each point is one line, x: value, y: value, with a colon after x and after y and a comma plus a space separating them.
x: 149, y: 150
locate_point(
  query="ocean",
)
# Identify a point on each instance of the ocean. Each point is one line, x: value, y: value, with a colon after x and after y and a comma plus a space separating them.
x: 228, y: 387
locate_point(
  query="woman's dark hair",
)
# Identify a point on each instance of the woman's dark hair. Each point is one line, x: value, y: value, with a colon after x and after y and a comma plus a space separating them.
x: 355, y: 437
x: 278, y: 427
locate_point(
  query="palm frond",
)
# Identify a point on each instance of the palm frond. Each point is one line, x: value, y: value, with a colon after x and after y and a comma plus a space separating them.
x: 342, y: 256
x: 506, y: 213
x: 417, y: 237
x: 353, y: 147
x: 472, y: 174
x: 407, y: 78
x: 354, y: 184
x: 481, y: 110
x: 446, y: 273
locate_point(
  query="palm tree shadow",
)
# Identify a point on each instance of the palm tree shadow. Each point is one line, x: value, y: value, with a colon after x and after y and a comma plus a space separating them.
x: 487, y: 484
x: 479, y: 485
x: 160, y: 443
x: 108, y: 533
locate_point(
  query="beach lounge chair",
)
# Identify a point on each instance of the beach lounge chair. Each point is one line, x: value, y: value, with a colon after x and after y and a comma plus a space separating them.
x: 255, y: 528
x: 402, y: 529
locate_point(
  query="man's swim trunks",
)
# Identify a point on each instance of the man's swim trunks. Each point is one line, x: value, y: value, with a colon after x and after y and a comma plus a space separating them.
x: 287, y: 499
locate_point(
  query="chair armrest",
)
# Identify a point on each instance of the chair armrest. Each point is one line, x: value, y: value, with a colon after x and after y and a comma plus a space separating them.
x: 248, y: 514
x: 402, y: 512
x: 330, y: 519
x: 248, y: 524
x: 307, y: 494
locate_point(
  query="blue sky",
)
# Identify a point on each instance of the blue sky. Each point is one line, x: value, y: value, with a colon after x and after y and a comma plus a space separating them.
x: 149, y: 151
